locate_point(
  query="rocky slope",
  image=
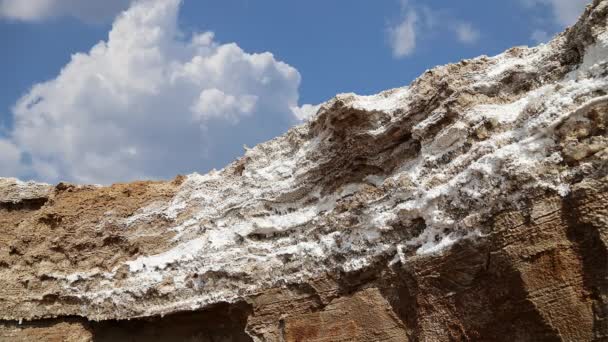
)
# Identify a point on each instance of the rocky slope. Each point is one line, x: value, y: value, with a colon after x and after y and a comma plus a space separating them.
x: 470, y: 205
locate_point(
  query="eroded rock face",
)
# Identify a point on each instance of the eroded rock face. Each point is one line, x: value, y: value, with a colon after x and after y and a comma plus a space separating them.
x: 470, y: 205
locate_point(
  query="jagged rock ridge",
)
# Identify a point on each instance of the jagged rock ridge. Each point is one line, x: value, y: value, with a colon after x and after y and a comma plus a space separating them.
x: 469, y: 205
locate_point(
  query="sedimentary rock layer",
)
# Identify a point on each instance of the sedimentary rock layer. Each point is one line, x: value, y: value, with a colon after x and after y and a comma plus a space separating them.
x: 469, y: 205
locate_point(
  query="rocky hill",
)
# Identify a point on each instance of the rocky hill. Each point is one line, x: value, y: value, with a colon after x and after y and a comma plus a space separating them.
x: 470, y: 205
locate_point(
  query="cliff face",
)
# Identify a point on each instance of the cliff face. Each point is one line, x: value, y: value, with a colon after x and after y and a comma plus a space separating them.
x: 470, y: 205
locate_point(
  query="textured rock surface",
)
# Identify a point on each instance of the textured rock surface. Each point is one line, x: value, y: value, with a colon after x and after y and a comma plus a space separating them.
x: 470, y: 205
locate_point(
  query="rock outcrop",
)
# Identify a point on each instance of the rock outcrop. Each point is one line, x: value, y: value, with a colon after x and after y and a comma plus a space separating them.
x: 470, y: 205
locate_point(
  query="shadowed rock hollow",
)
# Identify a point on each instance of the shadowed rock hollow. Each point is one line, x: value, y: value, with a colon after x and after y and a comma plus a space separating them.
x: 470, y: 205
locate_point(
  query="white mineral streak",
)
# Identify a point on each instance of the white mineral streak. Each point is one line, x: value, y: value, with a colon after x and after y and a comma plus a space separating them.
x: 265, y: 228
x: 13, y: 190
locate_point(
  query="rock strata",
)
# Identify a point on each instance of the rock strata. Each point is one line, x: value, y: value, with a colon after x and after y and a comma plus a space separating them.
x: 469, y: 205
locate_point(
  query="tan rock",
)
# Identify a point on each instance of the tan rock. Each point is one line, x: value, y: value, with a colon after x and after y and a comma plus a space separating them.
x: 470, y: 205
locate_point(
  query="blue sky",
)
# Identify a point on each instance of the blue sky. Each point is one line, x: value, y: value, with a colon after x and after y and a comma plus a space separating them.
x: 107, y: 118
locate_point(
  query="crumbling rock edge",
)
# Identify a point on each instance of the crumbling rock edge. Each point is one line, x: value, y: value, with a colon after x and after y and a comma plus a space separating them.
x: 469, y: 205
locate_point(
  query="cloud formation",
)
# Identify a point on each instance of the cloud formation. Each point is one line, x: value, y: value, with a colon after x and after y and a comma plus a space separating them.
x: 147, y: 104
x: 417, y: 21
x: 10, y: 158
x: 466, y: 33
x: 403, y: 36
x: 36, y: 10
x: 305, y: 112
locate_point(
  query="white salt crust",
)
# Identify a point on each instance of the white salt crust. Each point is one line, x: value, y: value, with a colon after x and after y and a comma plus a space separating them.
x: 218, y: 217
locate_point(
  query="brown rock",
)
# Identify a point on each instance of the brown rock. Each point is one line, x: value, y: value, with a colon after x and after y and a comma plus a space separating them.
x: 469, y: 206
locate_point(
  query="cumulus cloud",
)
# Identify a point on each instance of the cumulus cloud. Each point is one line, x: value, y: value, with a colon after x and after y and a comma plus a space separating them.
x: 466, y: 33
x: 10, y: 158
x: 214, y: 103
x: 149, y: 104
x: 565, y: 12
x: 35, y: 10
x: 305, y: 112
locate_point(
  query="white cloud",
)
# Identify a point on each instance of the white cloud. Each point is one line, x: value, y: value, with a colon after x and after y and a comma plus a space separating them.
x: 146, y: 104
x: 565, y: 12
x: 466, y: 33
x: 419, y: 23
x: 214, y: 103
x: 10, y: 158
x: 305, y: 112
x: 35, y: 10
x: 403, y: 36
x: 540, y: 36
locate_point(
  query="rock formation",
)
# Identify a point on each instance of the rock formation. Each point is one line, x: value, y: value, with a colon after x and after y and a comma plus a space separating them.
x: 470, y: 205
